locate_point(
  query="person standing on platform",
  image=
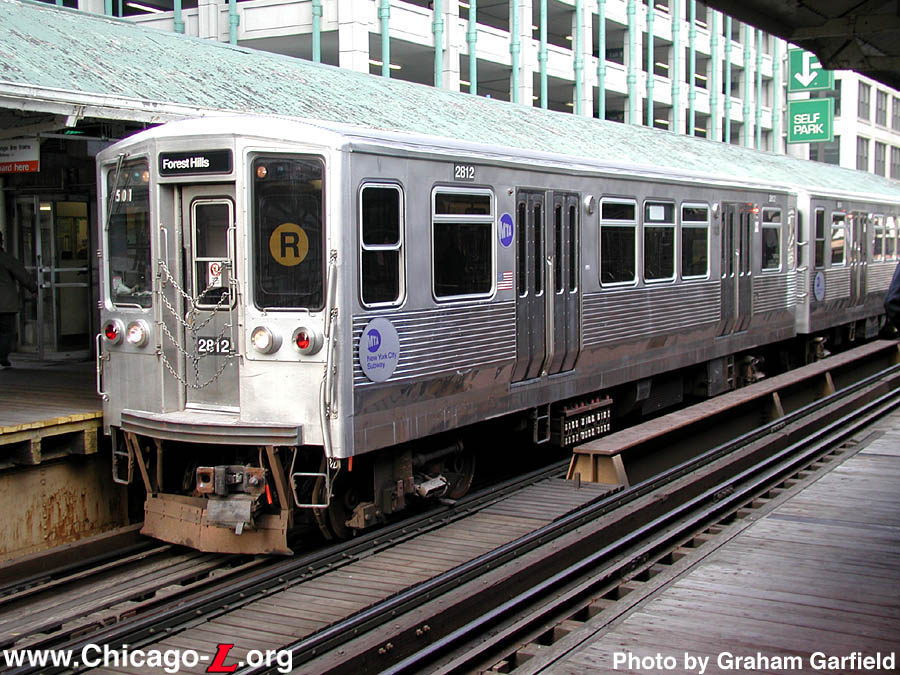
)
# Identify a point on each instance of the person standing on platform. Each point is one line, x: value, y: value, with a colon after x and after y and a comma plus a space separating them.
x: 11, y: 272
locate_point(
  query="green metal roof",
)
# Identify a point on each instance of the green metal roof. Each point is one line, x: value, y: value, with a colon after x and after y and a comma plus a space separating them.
x: 52, y: 53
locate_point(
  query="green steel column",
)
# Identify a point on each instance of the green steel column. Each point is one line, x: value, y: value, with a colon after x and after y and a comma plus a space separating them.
x: 601, y: 59
x: 726, y: 136
x: 514, y: 48
x: 471, y: 40
x: 748, y: 135
x: 179, y: 21
x: 692, y: 67
x: 317, y: 30
x: 107, y: 6
x: 234, y: 21
x: 578, y: 66
x: 384, y: 14
x: 759, y: 51
x: 713, y: 83
x: 651, y: 14
x: 631, y: 78
x: 776, y: 99
x: 438, y: 30
x: 675, y: 73
x: 542, y: 53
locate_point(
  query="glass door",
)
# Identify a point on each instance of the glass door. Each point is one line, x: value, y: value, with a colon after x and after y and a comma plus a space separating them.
x: 54, y: 244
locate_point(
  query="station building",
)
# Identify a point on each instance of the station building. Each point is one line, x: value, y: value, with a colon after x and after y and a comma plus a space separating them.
x: 676, y: 65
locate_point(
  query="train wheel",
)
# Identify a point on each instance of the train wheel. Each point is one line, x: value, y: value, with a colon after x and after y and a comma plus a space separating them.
x: 459, y: 472
x: 345, y: 496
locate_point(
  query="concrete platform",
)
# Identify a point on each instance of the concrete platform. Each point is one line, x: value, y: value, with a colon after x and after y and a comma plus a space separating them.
x: 813, y: 586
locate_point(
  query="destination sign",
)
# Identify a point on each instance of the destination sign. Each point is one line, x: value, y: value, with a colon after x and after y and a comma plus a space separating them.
x: 195, y: 163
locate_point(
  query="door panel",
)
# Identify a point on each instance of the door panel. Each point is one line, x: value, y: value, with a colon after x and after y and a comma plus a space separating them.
x: 548, y: 307
x: 736, y: 273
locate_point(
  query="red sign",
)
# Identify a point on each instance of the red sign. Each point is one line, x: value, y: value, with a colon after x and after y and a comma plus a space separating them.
x: 20, y: 155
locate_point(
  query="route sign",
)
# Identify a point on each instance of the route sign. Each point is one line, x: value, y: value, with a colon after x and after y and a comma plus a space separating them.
x: 810, y: 121
x: 805, y: 73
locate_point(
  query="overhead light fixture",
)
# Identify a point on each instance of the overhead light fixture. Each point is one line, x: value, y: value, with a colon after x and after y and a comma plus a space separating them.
x: 144, y: 8
x: 393, y: 66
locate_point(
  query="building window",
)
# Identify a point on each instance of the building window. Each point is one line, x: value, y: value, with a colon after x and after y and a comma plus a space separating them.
x: 618, y: 226
x: 895, y: 163
x: 694, y: 241
x: 381, y: 236
x: 880, y: 158
x: 881, y: 105
x: 462, y: 226
x: 828, y: 153
x: 862, y: 153
x: 895, y: 114
x: 771, y: 239
x: 659, y: 241
x: 864, y: 103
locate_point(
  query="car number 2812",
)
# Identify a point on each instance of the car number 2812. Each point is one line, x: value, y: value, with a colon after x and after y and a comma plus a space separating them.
x: 214, y: 345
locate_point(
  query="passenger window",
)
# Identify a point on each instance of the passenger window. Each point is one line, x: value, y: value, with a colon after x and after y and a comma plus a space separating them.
x: 890, y: 238
x: 771, y: 239
x: 878, y: 238
x: 694, y: 241
x: 838, y: 238
x: 381, y: 250
x: 462, y: 226
x: 659, y: 241
x: 618, y: 252
x: 820, y: 238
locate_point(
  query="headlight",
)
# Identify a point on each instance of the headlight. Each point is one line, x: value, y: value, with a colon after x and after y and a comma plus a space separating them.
x: 113, y: 331
x: 138, y: 333
x: 307, y: 340
x: 264, y: 340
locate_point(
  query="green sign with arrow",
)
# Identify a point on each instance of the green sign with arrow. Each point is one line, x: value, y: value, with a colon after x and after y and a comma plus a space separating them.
x: 805, y: 73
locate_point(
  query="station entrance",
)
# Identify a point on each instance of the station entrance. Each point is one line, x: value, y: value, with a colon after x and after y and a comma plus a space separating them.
x: 52, y: 239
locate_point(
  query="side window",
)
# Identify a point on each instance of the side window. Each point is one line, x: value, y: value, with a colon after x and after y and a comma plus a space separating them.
x: 659, y: 241
x: 838, y: 238
x: 878, y: 238
x: 890, y: 239
x: 771, y: 239
x: 694, y: 241
x: 462, y: 229
x: 381, y: 244
x: 618, y: 251
x: 820, y: 238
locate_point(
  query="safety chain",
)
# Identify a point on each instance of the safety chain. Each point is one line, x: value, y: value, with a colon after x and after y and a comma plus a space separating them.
x: 191, y: 327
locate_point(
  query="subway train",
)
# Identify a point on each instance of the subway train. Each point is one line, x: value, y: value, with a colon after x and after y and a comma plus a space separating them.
x: 318, y: 324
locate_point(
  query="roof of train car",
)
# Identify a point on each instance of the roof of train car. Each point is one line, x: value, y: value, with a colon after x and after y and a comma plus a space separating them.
x: 46, y: 50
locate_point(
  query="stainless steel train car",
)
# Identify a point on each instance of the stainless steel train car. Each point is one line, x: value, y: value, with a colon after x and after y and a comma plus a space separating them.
x: 310, y: 322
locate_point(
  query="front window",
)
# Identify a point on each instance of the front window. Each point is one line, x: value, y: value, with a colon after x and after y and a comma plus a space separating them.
x: 771, y: 239
x: 289, y: 232
x: 462, y: 228
x: 128, y: 234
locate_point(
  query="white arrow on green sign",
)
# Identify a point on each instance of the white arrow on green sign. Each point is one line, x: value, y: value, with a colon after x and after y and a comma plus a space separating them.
x: 811, y: 121
x: 805, y: 73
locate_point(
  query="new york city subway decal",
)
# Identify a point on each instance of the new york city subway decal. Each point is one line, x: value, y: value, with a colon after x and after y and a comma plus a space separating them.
x: 379, y: 349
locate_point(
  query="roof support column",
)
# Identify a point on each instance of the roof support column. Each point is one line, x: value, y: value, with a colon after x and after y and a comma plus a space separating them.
x: 317, y: 31
x: 515, y: 51
x: 584, y: 103
x: 601, y: 59
x: 776, y: 99
x: 631, y: 77
x: 692, y: 67
x: 542, y: 53
x: 437, y: 30
x: 675, y: 72
x: 651, y: 59
x: 384, y: 15
x: 715, y: 67
x: 234, y: 20
x: 726, y: 136
x: 454, y: 38
x: 759, y: 55
x: 179, y: 19
x: 472, y: 42
x: 748, y: 88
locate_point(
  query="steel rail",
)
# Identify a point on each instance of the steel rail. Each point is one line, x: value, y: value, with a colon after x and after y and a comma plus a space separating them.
x: 337, y: 634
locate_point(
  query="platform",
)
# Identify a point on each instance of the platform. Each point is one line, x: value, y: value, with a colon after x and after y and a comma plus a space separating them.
x: 47, y: 410
x: 813, y: 586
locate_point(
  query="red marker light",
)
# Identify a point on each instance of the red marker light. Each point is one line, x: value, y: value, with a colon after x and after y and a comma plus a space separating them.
x: 302, y: 340
x: 111, y: 332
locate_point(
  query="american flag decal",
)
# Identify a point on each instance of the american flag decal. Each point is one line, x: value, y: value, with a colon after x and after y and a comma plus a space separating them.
x: 505, y: 281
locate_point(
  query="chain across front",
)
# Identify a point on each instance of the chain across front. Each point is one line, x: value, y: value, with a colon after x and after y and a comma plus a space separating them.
x: 192, y: 327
